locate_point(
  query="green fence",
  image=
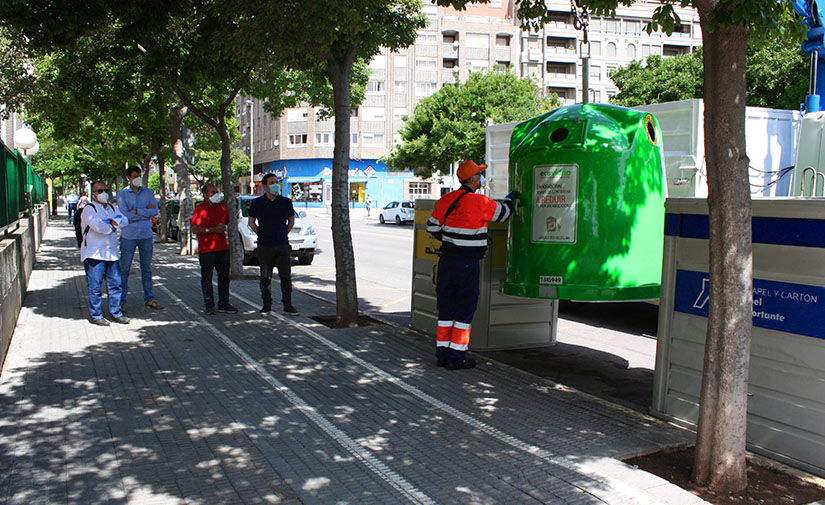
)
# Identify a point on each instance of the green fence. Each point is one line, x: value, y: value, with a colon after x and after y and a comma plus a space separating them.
x: 18, y: 179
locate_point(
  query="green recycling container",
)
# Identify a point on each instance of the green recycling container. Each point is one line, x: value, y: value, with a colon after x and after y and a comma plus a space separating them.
x: 589, y: 220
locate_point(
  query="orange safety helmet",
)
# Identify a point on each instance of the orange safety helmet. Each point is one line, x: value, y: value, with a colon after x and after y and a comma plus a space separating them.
x: 468, y: 169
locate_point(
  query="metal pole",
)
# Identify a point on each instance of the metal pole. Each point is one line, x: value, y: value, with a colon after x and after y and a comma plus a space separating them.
x: 251, y: 147
x: 585, y: 79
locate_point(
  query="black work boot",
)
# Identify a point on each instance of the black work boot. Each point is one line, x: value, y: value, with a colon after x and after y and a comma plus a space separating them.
x: 461, y: 365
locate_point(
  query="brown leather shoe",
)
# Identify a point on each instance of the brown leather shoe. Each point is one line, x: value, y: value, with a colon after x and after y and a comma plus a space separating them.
x: 154, y: 305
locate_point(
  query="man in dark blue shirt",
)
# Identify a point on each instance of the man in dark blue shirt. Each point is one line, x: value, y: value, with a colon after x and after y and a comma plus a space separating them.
x: 275, y: 218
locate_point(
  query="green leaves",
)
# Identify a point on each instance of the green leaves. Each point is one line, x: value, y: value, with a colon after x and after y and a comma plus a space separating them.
x: 450, y: 125
x: 777, y: 77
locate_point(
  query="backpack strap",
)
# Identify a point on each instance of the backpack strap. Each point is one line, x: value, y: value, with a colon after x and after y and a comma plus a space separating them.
x: 453, y: 206
x: 87, y: 226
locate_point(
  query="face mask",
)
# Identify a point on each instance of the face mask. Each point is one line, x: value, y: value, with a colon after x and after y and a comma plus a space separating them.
x: 216, y: 198
x: 482, y: 180
x: 137, y: 182
x: 103, y: 197
x: 273, y: 189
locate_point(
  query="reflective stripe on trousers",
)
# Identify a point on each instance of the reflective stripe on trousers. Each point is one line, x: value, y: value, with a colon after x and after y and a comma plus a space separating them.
x: 457, y: 298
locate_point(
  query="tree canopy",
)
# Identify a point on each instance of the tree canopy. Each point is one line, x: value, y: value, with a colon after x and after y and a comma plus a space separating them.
x: 449, y: 125
x: 777, y: 77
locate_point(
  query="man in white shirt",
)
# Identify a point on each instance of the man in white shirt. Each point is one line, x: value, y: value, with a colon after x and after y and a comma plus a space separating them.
x: 99, y: 253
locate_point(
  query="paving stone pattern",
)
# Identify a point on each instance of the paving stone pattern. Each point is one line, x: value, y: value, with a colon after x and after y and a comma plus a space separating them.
x: 180, y: 407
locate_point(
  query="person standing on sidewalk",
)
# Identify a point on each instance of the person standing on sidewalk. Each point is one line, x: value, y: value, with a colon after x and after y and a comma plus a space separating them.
x: 459, y: 221
x: 209, y: 221
x: 368, y: 205
x: 139, y: 206
x: 98, y: 252
x: 272, y: 216
x: 71, y: 204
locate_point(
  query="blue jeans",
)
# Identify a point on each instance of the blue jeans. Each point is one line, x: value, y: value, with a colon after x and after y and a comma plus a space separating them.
x: 71, y: 208
x: 127, y: 252
x: 96, y: 272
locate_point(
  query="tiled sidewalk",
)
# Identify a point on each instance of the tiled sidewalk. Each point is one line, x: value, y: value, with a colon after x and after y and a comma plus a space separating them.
x: 180, y: 407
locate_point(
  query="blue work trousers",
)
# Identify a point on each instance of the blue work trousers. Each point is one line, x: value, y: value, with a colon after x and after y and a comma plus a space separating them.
x: 96, y: 272
x: 145, y: 247
x: 457, y: 298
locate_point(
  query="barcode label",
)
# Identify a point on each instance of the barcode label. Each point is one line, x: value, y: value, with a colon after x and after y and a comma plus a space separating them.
x: 551, y: 279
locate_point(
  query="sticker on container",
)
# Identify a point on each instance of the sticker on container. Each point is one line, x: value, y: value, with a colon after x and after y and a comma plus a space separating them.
x: 555, y: 196
x: 551, y: 279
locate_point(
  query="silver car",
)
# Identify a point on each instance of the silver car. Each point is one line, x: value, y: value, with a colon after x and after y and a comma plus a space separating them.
x: 302, y: 237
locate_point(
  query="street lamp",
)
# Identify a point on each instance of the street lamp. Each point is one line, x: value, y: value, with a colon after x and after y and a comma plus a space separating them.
x: 26, y: 140
x: 251, y: 148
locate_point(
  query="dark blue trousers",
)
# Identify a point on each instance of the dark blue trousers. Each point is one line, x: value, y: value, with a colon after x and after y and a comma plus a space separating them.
x: 457, y: 298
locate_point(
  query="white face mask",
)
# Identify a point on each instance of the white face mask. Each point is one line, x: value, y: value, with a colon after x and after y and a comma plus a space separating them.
x: 103, y: 197
x: 216, y: 198
x: 273, y: 189
x: 137, y: 182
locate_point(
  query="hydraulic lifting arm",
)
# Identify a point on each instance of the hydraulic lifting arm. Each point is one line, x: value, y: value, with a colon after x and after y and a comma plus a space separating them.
x: 814, y: 46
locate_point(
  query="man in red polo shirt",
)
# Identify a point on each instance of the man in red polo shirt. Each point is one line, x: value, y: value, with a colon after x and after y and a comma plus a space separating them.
x: 209, y: 222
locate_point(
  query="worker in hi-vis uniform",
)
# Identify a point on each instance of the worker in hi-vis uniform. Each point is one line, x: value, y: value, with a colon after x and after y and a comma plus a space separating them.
x: 459, y: 221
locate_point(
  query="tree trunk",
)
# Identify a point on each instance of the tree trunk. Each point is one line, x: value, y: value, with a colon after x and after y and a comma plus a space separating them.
x: 720, y: 439
x: 228, y: 185
x: 182, y: 172
x: 163, y: 225
x: 346, y: 292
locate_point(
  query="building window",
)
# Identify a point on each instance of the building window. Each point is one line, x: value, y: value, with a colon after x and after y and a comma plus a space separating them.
x: 354, y: 140
x: 426, y: 63
x: 477, y: 65
x: 611, y: 26
x: 610, y: 70
x: 398, y: 113
x: 419, y: 189
x: 373, y: 139
x: 631, y: 52
x: 426, y: 39
x: 324, y: 139
x: 375, y: 86
x: 596, y: 72
x: 645, y: 50
x: 400, y: 86
x: 478, y: 40
x: 296, y: 115
x: 502, y: 41
x: 632, y: 27
x: 595, y: 49
x: 595, y: 25
x: 379, y: 61
x: 373, y: 113
x: 611, y: 50
x: 297, y: 139
x: 425, y: 88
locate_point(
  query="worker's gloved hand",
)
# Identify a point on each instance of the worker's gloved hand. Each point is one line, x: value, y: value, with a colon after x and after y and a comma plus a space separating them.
x: 512, y: 195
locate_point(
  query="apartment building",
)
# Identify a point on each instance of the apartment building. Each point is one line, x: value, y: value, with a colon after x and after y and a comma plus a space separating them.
x: 553, y: 55
x: 484, y: 37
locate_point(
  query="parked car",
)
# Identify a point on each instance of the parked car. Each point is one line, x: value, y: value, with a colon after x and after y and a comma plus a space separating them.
x: 172, y: 210
x: 302, y: 237
x: 400, y: 212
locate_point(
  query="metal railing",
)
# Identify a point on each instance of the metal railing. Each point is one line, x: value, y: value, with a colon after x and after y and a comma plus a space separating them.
x: 20, y: 188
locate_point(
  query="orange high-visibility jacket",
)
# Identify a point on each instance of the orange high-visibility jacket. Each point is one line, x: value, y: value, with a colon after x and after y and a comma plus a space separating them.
x: 465, y: 231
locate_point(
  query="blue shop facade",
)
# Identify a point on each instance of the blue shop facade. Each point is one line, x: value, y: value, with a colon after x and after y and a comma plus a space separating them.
x: 308, y: 182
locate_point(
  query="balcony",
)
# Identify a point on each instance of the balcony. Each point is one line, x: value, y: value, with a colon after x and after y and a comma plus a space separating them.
x: 449, y: 52
x: 503, y: 53
x: 449, y: 75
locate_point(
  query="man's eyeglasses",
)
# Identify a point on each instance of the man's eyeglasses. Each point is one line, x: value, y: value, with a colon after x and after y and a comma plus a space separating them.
x: 98, y: 191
